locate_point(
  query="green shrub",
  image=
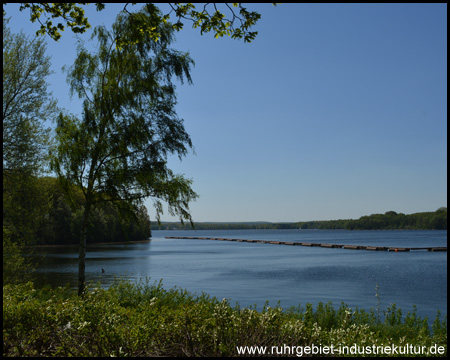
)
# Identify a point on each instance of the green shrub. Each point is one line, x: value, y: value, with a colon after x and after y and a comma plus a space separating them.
x: 144, y: 319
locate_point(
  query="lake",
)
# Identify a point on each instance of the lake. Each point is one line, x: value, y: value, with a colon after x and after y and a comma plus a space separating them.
x: 252, y: 273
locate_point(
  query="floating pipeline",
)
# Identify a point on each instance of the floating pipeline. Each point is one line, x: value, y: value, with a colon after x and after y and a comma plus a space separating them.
x: 331, y: 246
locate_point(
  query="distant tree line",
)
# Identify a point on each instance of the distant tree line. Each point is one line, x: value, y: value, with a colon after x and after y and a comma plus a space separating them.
x: 390, y: 220
x: 216, y: 226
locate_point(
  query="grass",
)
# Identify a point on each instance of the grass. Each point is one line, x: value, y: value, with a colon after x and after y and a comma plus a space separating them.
x: 144, y: 319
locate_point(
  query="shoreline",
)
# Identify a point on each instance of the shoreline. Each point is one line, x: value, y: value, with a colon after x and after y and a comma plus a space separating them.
x: 102, y: 243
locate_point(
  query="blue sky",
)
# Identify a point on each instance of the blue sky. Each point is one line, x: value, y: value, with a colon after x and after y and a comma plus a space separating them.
x: 334, y: 111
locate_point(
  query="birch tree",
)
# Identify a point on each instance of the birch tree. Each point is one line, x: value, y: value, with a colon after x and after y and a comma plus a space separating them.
x: 119, y: 148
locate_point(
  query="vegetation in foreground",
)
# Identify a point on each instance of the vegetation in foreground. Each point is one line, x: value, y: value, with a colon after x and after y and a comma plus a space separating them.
x: 144, y: 319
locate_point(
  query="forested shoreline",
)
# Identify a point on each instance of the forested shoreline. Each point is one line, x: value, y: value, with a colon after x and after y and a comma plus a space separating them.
x: 57, y: 221
x: 391, y: 220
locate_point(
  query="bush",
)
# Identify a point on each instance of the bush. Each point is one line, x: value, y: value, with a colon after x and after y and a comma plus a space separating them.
x: 144, y: 319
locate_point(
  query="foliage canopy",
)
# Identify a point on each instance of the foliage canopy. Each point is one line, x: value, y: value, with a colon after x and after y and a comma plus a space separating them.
x: 26, y: 101
x: 119, y: 149
x: 228, y: 21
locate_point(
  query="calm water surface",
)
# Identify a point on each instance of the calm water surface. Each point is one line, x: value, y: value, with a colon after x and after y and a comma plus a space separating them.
x: 253, y: 273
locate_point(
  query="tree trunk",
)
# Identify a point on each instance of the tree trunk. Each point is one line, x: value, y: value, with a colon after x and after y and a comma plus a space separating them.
x: 82, y: 251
